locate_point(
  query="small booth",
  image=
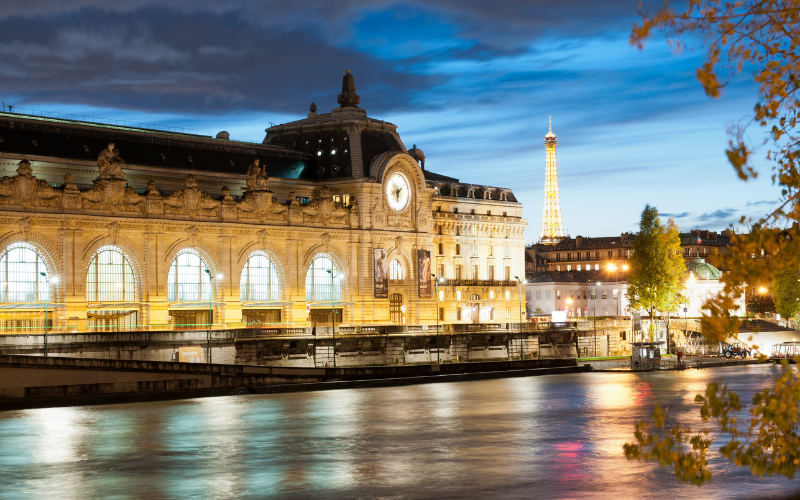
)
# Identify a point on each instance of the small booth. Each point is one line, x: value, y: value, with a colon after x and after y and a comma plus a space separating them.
x: 645, y: 355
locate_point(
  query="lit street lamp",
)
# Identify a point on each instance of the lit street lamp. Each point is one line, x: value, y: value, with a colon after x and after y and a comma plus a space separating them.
x: 46, y: 304
x: 436, y: 285
x: 521, y: 346
x: 333, y: 314
x: 210, y: 309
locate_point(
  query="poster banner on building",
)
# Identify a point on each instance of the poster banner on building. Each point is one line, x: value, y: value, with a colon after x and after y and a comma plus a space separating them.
x: 424, y: 268
x: 381, y: 265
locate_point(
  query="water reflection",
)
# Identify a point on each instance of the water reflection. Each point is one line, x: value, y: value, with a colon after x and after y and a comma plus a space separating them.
x: 554, y: 437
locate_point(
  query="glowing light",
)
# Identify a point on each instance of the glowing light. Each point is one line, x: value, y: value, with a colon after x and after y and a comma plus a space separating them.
x: 611, y: 267
x: 552, y: 226
x: 762, y: 290
x: 625, y: 267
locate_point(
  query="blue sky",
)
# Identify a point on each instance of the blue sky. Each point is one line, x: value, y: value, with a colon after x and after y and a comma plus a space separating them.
x: 470, y: 82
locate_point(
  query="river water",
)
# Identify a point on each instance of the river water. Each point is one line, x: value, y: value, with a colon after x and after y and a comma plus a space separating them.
x: 557, y: 436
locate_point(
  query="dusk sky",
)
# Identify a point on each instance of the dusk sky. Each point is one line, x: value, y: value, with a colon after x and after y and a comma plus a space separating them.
x: 470, y: 82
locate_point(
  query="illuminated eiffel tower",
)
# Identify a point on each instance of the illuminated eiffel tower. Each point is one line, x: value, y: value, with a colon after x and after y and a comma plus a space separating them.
x: 552, y: 228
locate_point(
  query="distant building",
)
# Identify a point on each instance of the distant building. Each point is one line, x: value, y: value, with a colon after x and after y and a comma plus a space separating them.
x: 611, y: 253
x: 548, y: 291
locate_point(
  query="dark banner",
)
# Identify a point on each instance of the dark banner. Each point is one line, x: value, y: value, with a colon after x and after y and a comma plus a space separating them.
x: 381, y: 265
x: 424, y: 268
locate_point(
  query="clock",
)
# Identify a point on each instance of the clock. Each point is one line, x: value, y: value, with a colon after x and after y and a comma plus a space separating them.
x: 397, y: 192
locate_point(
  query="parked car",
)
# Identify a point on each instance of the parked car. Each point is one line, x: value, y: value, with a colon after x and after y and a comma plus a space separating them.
x: 735, y: 349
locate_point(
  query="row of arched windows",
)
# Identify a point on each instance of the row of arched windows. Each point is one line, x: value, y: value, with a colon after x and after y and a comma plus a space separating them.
x: 24, y: 277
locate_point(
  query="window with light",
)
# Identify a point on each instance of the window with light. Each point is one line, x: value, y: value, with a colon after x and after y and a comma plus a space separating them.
x: 110, y: 277
x: 259, y: 281
x: 321, y: 285
x: 20, y: 273
x: 188, y: 279
x: 395, y: 270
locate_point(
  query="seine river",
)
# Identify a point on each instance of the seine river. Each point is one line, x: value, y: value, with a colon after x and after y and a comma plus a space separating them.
x: 556, y: 436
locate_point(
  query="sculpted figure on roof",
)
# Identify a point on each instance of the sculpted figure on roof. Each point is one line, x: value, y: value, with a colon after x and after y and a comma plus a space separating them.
x: 109, y: 163
x: 256, y: 177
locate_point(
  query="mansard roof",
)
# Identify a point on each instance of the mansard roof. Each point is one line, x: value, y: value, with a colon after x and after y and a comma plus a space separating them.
x: 35, y: 136
x: 578, y: 277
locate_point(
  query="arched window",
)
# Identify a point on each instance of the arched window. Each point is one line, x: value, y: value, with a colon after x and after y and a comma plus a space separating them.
x: 395, y: 270
x: 110, y: 277
x: 20, y: 274
x: 188, y: 279
x: 322, y: 285
x: 259, y: 281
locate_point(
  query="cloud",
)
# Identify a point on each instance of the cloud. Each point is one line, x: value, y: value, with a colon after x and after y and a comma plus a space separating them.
x: 721, y: 215
x: 682, y: 215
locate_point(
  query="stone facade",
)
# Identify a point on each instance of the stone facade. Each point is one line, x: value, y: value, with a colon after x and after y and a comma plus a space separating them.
x: 174, y: 194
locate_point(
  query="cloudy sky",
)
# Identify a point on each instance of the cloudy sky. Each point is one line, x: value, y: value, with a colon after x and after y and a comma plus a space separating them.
x: 471, y: 82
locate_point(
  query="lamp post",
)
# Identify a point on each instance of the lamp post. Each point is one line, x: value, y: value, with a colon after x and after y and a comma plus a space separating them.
x: 46, y: 304
x: 519, y: 292
x: 210, y: 309
x: 333, y: 315
x: 594, y: 315
x: 436, y: 285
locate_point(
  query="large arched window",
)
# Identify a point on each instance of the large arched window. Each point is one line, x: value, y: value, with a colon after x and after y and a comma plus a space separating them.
x: 322, y: 285
x: 395, y: 270
x: 188, y: 279
x: 21, y: 279
x: 110, y: 277
x: 259, y: 281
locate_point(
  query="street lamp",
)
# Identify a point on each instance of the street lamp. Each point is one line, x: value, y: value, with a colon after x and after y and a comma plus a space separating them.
x: 46, y: 304
x: 210, y: 309
x: 333, y: 314
x: 436, y: 285
x: 594, y: 307
x: 521, y: 347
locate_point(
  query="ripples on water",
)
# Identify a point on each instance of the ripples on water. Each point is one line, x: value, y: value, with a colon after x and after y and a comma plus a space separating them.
x: 554, y: 436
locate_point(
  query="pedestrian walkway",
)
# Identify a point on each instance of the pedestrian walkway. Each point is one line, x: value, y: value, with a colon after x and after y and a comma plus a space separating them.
x: 667, y: 363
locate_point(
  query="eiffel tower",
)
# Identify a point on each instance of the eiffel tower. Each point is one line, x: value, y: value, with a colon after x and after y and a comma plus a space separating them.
x: 552, y: 228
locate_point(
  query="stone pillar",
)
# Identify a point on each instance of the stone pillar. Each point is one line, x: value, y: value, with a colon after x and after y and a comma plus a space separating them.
x: 154, y: 249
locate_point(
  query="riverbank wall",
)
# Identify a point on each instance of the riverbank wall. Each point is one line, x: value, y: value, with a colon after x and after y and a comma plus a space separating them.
x: 37, y: 381
x: 311, y: 347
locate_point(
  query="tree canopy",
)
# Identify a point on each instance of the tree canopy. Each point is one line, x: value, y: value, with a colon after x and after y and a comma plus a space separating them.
x: 656, y: 276
x: 762, y: 35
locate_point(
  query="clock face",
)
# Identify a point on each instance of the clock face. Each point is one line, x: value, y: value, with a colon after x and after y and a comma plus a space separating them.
x: 397, y: 192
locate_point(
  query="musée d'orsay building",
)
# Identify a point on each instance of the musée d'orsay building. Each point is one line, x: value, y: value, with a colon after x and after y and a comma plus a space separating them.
x: 110, y: 227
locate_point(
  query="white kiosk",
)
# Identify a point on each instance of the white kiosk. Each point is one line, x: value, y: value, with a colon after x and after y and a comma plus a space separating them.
x: 645, y: 355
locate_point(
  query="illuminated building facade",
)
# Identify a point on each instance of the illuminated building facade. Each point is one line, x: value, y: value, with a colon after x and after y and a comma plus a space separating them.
x: 112, y: 227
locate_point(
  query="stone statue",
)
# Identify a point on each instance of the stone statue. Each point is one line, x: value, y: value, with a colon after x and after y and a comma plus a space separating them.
x: 191, y: 201
x: 109, y: 163
x: 256, y: 177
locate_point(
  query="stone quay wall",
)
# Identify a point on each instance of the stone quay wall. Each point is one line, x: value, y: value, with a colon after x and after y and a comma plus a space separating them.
x: 311, y: 346
x: 36, y: 381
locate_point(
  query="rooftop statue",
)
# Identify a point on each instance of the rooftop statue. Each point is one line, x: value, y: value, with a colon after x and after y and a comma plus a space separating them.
x: 256, y: 177
x: 109, y: 163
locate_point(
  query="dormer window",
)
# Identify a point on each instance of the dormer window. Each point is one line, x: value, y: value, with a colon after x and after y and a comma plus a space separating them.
x: 190, y: 160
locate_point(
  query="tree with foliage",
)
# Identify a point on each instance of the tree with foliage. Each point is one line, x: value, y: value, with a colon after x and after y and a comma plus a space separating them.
x: 656, y: 275
x: 763, y: 35
x: 786, y: 291
x: 760, y: 304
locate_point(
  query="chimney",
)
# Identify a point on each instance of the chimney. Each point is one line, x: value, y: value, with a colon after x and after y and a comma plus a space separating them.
x: 578, y: 241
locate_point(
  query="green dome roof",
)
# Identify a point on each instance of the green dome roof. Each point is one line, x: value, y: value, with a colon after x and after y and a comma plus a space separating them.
x: 703, y: 270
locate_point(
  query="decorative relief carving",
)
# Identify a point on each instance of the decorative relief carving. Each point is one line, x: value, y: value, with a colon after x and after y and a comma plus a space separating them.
x: 113, y: 232
x: 26, y: 190
x: 354, y: 217
x: 112, y: 195
x: 155, y: 203
x: 72, y: 195
x: 261, y: 205
x: 191, y: 201
x: 324, y: 210
x: 191, y: 234
x: 25, y: 225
